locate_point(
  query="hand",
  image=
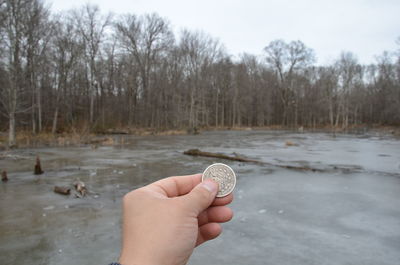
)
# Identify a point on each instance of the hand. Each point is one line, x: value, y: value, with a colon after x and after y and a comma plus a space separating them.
x: 164, y: 221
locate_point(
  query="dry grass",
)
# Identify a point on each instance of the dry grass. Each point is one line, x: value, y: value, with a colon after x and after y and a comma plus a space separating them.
x: 74, y: 138
x: 144, y: 132
x: 81, y: 136
x: 27, y: 139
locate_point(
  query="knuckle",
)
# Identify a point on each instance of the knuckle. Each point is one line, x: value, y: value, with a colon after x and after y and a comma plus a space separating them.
x: 126, y: 198
x: 203, y: 194
x: 129, y: 197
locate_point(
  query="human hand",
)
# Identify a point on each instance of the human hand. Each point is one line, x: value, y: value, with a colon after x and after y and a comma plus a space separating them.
x: 164, y: 221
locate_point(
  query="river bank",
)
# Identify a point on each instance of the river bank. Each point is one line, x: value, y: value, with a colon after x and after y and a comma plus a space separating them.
x: 112, y: 136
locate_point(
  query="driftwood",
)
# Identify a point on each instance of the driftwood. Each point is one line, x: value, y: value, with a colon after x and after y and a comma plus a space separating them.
x: 4, y: 177
x: 115, y: 131
x: 80, y: 188
x: 305, y: 168
x: 38, y: 167
x: 197, y: 152
x: 62, y: 190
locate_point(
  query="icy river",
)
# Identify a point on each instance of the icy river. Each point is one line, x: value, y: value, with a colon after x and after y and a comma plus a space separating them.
x: 347, y: 212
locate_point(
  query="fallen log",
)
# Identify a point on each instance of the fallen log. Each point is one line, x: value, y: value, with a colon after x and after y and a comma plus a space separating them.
x: 115, y: 131
x: 197, y: 152
x: 38, y: 168
x: 299, y: 168
x: 4, y: 177
x: 62, y: 190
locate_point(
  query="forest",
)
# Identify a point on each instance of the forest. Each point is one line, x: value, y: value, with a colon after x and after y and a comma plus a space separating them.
x: 85, y: 68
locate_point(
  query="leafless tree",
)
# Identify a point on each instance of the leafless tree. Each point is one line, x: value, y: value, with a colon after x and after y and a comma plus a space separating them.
x: 199, y: 51
x: 145, y: 38
x: 287, y: 59
x: 349, y: 73
x: 67, y: 71
x: 66, y: 50
x: 38, y: 32
x: 92, y: 28
x: 14, y: 25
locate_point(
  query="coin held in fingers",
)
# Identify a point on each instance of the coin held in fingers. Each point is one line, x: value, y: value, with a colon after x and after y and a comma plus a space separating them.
x: 223, y: 175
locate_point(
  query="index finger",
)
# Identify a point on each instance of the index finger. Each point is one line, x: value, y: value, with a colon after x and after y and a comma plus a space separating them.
x: 176, y: 186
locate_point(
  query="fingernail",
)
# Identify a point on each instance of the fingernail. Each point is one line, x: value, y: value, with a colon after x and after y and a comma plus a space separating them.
x: 210, y: 185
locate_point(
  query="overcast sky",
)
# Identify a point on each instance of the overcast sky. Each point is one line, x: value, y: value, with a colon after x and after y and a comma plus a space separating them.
x: 365, y: 27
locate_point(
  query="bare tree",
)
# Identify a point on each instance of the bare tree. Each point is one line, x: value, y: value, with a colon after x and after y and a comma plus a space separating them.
x: 71, y: 70
x: 327, y: 81
x: 145, y: 38
x: 65, y: 53
x: 38, y: 32
x: 348, y: 70
x: 91, y: 26
x: 199, y: 51
x: 287, y: 59
x: 13, y: 41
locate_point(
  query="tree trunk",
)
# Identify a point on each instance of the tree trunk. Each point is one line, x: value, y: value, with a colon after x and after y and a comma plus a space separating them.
x: 33, y: 114
x: 331, y: 113
x: 216, y: 110
x: 11, y: 135
x: 39, y: 108
x: 54, y: 128
x: 223, y: 112
x: 339, y: 109
x: 296, y: 114
x: 191, y: 113
x: 91, y: 91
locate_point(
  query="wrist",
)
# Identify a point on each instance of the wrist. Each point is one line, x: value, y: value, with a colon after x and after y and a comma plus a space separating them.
x: 153, y: 259
x: 130, y: 260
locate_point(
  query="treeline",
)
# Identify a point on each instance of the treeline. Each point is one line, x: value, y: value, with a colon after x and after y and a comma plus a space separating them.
x: 59, y: 72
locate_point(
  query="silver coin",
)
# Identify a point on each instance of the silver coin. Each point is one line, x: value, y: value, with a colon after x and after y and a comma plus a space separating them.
x: 223, y: 175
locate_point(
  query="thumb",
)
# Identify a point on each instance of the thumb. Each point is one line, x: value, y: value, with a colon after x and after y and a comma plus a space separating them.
x: 201, y: 196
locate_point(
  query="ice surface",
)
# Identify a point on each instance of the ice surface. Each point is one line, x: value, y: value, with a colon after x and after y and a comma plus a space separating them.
x: 349, y: 214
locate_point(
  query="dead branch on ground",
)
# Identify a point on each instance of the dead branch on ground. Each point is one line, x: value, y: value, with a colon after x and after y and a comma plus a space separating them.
x: 62, y: 190
x: 197, y: 152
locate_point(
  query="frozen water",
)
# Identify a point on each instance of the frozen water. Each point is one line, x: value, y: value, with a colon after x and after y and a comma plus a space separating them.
x: 347, y: 214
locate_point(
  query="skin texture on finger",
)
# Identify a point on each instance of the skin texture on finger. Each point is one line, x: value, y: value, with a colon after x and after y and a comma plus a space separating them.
x: 181, y: 185
x: 175, y: 186
x: 207, y: 232
x: 216, y: 214
x: 223, y: 201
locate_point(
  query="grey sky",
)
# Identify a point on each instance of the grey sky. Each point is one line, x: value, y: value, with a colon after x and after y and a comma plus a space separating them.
x: 365, y: 27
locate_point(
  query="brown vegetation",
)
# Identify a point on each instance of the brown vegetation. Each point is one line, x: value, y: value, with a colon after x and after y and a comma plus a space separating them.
x: 27, y: 139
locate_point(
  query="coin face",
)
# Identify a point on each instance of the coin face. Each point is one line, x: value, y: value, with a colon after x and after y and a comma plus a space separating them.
x: 223, y: 175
